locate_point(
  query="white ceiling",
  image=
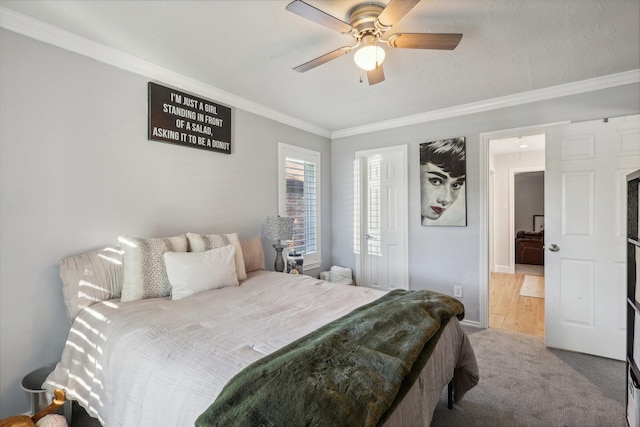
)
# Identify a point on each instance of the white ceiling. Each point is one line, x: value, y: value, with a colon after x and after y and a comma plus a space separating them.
x: 519, y: 144
x: 248, y: 49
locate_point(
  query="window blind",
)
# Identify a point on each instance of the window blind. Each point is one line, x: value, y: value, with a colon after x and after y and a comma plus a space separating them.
x: 301, y: 204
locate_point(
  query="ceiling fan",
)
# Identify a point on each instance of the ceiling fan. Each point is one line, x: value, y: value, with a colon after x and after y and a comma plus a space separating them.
x: 368, y: 22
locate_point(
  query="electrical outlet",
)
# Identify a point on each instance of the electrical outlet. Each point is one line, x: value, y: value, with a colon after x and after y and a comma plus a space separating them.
x: 457, y: 291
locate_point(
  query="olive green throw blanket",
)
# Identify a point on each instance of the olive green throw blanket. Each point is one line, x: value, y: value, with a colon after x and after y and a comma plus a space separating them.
x: 349, y: 372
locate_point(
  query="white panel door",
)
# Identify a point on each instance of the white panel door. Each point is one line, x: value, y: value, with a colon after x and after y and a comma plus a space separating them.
x: 383, y: 239
x: 585, y: 228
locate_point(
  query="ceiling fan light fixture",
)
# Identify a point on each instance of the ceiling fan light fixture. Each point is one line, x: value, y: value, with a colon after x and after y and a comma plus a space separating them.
x: 369, y: 57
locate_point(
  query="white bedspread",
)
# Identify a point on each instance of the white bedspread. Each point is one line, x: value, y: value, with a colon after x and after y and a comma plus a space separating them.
x: 158, y: 362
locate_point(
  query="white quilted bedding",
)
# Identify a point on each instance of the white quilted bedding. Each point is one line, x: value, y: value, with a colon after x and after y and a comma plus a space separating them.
x: 158, y: 362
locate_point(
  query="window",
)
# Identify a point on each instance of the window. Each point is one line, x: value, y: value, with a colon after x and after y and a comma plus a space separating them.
x: 372, y: 187
x: 374, y: 214
x: 299, y: 197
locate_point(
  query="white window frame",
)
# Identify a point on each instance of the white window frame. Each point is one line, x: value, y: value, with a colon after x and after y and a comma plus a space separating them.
x: 292, y: 152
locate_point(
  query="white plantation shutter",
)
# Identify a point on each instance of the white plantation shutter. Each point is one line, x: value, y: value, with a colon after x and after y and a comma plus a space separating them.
x: 356, y: 206
x: 374, y: 215
x: 299, y: 185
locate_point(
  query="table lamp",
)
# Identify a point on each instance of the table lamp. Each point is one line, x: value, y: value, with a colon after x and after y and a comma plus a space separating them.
x: 279, y: 228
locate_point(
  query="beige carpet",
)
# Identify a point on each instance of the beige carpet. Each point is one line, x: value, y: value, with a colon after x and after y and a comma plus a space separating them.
x: 533, y: 286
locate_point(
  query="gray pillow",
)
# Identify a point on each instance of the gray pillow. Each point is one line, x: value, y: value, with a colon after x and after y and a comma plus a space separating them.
x: 90, y: 277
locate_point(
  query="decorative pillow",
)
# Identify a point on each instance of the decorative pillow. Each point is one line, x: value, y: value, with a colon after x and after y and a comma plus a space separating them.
x: 145, y: 275
x: 253, y: 254
x: 90, y: 277
x: 193, y: 272
x: 339, y: 274
x: 199, y: 243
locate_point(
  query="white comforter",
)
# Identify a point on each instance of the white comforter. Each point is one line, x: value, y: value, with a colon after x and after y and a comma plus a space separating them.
x: 158, y: 362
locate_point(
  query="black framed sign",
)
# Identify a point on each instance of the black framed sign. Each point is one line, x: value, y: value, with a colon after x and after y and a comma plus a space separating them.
x: 181, y: 118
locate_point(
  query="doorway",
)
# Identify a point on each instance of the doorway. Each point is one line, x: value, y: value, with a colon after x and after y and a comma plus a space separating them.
x: 517, y: 298
x: 514, y: 171
x: 380, y: 219
x: 585, y: 165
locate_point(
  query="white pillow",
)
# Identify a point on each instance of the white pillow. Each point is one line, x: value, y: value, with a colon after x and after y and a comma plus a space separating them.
x: 144, y: 272
x: 341, y: 275
x: 193, y: 272
x: 199, y: 243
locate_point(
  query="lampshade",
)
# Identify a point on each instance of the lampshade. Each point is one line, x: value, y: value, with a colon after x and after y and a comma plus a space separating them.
x: 369, y: 57
x: 279, y: 228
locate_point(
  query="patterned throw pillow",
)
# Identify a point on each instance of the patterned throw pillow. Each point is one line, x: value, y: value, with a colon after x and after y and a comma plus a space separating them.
x: 200, y: 243
x: 145, y: 275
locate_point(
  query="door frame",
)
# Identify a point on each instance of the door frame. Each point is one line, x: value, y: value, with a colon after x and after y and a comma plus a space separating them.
x: 483, y: 266
x: 404, y: 214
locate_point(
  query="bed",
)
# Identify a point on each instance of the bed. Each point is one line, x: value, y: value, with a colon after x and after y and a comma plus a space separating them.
x: 160, y: 361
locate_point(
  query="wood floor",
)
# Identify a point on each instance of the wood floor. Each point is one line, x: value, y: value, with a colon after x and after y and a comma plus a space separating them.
x: 509, y: 310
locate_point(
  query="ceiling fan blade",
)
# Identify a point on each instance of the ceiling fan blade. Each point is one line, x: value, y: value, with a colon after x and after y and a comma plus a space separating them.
x: 424, y: 41
x: 323, y: 59
x: 395, y: 11
x: 311, y: 13
x: 376, y: 75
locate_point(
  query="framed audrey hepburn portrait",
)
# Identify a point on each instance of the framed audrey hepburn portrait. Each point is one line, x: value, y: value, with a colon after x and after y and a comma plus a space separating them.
x: 443, y: 170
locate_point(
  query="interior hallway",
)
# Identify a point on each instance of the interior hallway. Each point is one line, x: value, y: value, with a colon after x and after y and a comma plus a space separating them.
x: 511, y: 311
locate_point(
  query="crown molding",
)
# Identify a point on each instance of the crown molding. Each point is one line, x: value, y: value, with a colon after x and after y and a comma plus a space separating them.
x: 574, y: 88
x: 38, y: 30
x: 41, y: 31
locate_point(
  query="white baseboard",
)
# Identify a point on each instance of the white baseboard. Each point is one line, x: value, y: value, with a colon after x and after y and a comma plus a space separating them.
x: 472, y: 323
x: 502, y: 269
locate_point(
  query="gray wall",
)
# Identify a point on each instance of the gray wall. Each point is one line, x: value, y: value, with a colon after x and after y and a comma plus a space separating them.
x: 77, y: 170
x: 443, y: 257
x: 503, y: 165
x: 528, y: 189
